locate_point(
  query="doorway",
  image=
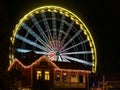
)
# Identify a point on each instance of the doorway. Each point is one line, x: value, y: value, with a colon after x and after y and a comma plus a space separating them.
x: 43, y: 79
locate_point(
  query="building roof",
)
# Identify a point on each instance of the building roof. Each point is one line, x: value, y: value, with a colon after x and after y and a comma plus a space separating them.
x: 37, y: 61
x: 31, y: 58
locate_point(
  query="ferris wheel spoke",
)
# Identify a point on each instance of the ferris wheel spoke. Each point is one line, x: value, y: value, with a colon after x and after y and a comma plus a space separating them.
x: 47, y: 28
x: 54, y: 29
x: 78, y: 60
x: 26, y: 50
x: 71, y: 39
x: 46, y: 25
x: 81, y: 52
x: 54, y: 25
x: 74, y: 45
x: 63, y: 59
x: 22, y: 50
x: 61, y: 28
x: 43, y: 53
x: 31, y: 42
x: 34, y: 20
x: 26, y: 27
x: 67, y: 33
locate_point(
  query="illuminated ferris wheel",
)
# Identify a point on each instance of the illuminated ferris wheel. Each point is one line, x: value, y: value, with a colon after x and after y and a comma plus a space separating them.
x: 55, y: 32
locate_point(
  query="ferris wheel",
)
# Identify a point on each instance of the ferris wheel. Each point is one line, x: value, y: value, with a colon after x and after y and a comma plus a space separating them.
x: 55, y: 32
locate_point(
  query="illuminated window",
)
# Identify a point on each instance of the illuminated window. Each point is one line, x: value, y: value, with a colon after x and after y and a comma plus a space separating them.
x: 47, y: 75
x: 39, y: 75
x: 74, y: 78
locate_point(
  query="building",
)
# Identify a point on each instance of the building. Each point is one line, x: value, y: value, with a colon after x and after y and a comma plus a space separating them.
x: 48, y: 75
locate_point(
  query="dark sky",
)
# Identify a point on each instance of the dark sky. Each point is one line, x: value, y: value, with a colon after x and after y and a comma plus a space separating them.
x: 101, y: 18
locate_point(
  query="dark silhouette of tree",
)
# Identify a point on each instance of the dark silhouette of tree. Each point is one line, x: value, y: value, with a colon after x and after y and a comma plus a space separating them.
x: 10, y: 79
x: 5, y: 80
x: 17, y: 76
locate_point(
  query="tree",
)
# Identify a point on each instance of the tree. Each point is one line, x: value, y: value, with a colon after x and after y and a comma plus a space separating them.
x: 5, y: 80
x: 17, y: 76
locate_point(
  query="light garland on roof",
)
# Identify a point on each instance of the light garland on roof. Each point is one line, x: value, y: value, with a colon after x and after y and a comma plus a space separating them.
x: 44, y: 58
x: 31, y: 65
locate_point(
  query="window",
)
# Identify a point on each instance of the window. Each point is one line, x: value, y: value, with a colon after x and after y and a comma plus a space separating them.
x: 74, y: 78
x: 47, y: 75
x: 64, y: 77
x: 58, y: 77
x: 39, y: 75
x: 82, y: 78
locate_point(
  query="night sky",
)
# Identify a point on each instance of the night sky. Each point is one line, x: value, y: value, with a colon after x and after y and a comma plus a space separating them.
x: 101, y: 18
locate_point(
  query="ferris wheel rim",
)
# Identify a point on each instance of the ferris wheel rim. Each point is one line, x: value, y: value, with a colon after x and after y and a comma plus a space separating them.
x: 58, y: 9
